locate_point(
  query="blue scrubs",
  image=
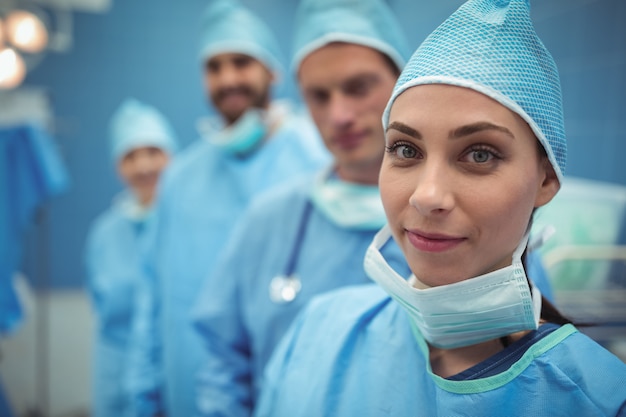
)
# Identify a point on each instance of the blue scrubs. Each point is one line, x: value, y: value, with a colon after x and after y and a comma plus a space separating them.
x: 114, y: 268
x: 235, y: 314
x: 353, y: 352
x: 202, y: 196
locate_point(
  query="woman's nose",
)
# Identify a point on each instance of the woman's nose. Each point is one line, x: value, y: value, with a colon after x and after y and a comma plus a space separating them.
x: 433, y: 192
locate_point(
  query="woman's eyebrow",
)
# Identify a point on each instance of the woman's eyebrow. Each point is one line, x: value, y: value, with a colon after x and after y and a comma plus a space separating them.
x: 479, y: 127
x: 402, y: 128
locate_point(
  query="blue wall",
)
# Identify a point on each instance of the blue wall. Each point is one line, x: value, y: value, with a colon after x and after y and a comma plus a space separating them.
x: 147, y: 49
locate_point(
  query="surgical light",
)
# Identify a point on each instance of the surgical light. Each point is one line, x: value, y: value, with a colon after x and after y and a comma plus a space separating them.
x: 12, y: 68
x: 24, y: 38
x: 26, y: 31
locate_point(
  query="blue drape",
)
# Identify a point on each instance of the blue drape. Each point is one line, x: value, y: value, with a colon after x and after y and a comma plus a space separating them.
x: 30, y: 172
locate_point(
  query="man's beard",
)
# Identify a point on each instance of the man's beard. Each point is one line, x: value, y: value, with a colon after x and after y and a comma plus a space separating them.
x: 258, y: 99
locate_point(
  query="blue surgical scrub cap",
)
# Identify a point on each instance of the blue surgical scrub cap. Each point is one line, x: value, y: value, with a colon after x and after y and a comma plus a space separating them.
x: 368, y: 23
x: 228, y: 27
x: 136, y: 125
x: 491, y: 46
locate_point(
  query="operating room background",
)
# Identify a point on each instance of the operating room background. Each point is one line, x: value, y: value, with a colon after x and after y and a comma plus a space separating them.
x: 148, y: 50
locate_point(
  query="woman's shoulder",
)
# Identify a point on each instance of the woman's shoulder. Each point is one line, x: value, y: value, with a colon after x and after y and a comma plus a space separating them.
x: 578, y: 365
x: 582, y: 356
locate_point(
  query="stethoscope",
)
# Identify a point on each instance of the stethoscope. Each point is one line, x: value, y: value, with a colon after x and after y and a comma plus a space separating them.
x: 284, y: 288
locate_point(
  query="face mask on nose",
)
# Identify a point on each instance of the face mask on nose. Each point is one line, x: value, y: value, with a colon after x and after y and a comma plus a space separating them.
x: 468, y: 312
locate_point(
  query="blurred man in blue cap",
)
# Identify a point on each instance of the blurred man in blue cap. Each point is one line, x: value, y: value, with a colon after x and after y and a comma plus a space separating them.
x: 255, y: 144
x: 310, y: 235
x: 142, y: 143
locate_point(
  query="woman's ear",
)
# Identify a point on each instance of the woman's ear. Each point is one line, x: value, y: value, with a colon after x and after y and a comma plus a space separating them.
x: 549, y: 184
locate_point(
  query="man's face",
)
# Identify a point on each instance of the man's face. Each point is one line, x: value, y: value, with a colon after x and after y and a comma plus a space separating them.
x: 236, y: 82
x: 346, y: 88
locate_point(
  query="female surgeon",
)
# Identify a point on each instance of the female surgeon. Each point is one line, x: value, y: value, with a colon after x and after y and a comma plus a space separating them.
x: 475, y: 144
x: 141, y: 144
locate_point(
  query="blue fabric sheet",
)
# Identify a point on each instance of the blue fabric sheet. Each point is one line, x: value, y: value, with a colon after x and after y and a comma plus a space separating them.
x: 31, y: 171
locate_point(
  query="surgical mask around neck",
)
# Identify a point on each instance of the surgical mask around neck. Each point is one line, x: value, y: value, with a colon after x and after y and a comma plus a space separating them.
x: 241, y: 137
x: 349, y: 205
x: 131, y: 208
x: 464, y: 313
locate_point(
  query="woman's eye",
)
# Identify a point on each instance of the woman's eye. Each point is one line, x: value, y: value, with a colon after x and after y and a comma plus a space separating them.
x: 481, y: 156
x: 403, y: 151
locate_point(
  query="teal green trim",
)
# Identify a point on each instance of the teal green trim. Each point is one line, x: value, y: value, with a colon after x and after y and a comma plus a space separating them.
x: 421, y: 342
x: 495, y: 381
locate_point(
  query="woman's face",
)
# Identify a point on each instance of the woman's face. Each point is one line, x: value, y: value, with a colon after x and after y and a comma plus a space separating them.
x: 459, y: 181
x: 140, y: 169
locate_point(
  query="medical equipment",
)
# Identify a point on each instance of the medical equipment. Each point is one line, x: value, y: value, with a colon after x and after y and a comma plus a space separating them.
x: 586, y: 255
x: 284, y: 288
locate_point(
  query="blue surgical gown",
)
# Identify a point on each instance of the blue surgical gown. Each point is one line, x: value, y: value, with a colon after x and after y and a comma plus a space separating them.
x: 354, y: 353
x: 235, y: 315
x: 202, y: 196
x: 114, y: 269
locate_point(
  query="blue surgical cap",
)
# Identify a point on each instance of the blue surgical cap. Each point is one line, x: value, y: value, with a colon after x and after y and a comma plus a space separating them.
x: 228, y: 27
x: 368, y: 23
x: 491, y: 46
x: 136, y: 125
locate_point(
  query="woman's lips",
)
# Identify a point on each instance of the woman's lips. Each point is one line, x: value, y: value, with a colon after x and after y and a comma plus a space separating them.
x: 433, y: 242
